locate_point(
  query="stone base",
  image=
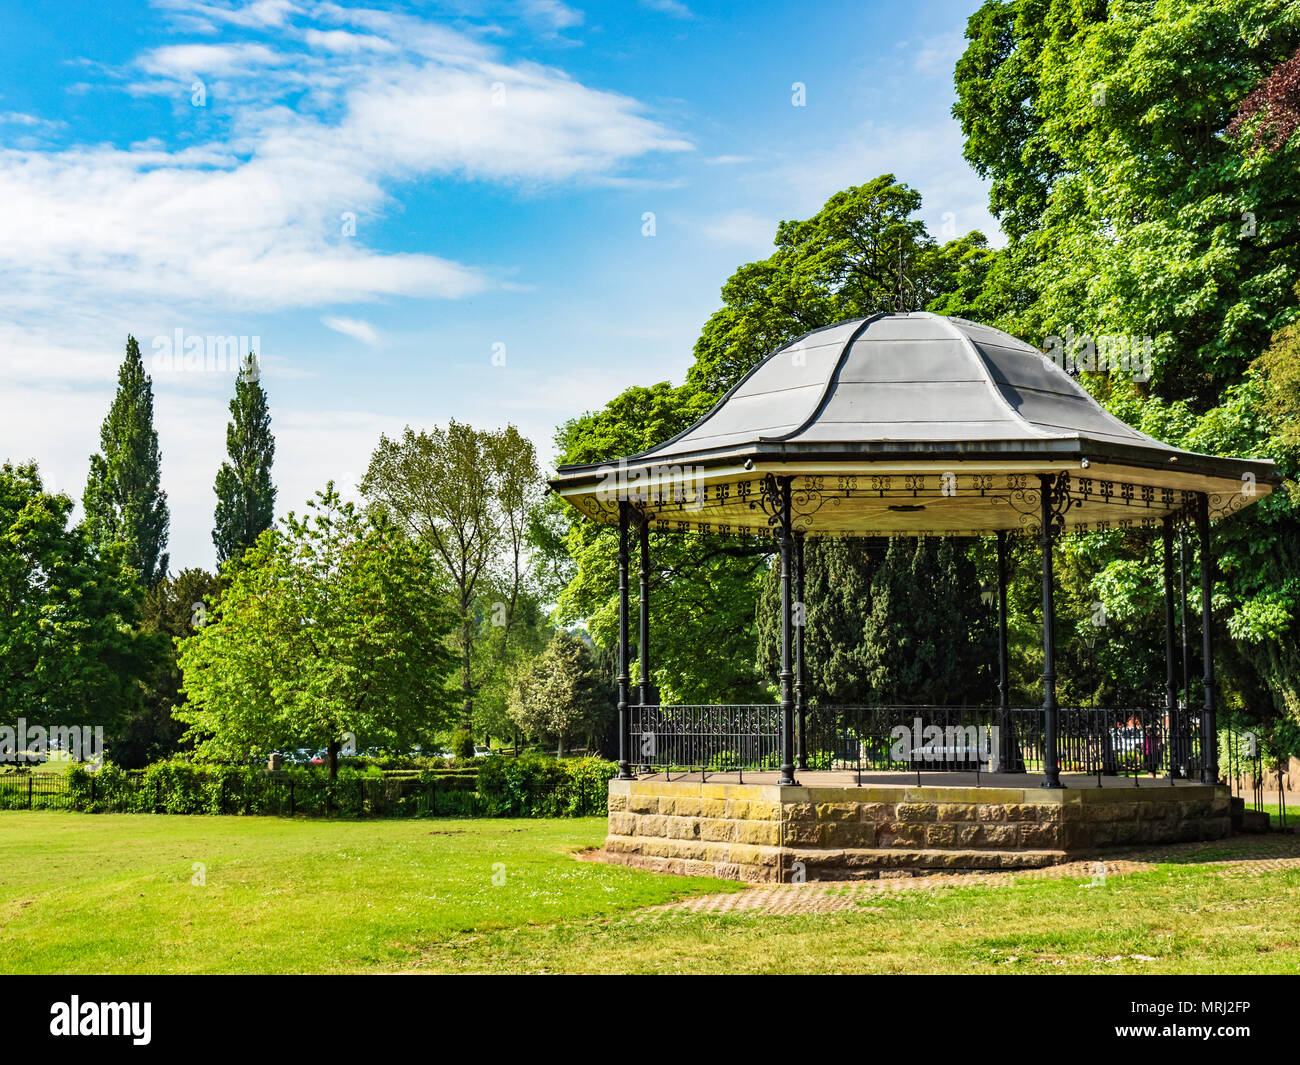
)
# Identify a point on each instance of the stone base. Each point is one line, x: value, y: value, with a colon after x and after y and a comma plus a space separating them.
x: 766, y: 832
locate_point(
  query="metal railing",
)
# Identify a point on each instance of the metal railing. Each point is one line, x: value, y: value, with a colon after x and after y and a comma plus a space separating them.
x: 719, y: 738
x: 1133, y: 742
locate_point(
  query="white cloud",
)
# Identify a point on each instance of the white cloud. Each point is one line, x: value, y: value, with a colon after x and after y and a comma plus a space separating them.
x: 937, y: 54
x: 552, y: 13
x: 185, y: 60
x: 343, y: 41
x: 356, y: 328
x: 928, y: 158
x: 669, y: 7
x: 743, y: 228
x: 313, y: 145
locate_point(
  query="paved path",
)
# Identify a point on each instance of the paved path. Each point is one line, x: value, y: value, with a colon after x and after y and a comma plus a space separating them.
x: 1240, y: 856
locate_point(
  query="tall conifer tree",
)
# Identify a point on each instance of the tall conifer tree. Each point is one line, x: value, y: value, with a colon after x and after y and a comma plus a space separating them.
x: 124, y: 501
x: 245, y: 494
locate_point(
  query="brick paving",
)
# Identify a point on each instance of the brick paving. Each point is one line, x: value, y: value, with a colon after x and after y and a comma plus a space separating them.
x: 1239, y: 856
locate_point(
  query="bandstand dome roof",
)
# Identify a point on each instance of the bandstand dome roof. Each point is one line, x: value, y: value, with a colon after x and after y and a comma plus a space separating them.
x: 910, y: 424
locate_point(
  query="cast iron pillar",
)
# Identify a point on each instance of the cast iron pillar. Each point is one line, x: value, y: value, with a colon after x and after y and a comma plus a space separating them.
x: 643, y: 636
x: 1171, y: 673
x: 1186, y: 700
x: 1209, y: 723
x: 800, y: 680
x: 624, y: 765
x: 1009, y: 758
x: 1051, y: 756
x: 787, y: 676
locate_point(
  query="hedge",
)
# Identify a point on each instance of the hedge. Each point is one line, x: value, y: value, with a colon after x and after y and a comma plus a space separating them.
x: 535, y: 785
x: 528, y: 786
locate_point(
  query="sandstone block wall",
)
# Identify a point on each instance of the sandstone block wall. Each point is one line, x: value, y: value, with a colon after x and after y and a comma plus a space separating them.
x: 764, y: 832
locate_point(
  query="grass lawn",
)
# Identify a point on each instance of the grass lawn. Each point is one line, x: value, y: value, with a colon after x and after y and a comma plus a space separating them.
x: 113, y: 893
x: 82, y: 893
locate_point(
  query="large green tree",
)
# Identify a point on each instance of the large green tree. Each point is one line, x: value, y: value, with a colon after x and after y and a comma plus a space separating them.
x: 70, y: 652
x: 245, y: 494
x: 335, y: 623
x: 173, y: 609
x: 124, y: 501
x: 468, y: 494
x: 563, y: 694
x: 1142, y: 160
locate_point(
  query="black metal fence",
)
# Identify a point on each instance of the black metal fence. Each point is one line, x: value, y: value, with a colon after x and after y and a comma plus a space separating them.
x: 1134, y: 742
x: 718, y: 738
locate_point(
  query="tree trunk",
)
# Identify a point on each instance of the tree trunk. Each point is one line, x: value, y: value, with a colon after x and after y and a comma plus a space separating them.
x: 332, y: 758
x: 466, y: 666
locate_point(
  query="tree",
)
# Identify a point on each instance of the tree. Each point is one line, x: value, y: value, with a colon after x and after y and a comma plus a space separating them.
x: 467, y: 494
x: 1142, y: 160
x: 124, y: 502
x: 888, y: 622
x: 501, y: 651
x: 69, y: 650
x: 173, y: 609
x: 844, y: 262
x: 335, y: 623
x: 562, y: 694
x: 245, y: 494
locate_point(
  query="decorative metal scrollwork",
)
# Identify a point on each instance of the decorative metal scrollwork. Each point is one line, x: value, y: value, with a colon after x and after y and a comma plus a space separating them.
x: 809, y: 499
x: 769, y: 499
x: 1061, y: 499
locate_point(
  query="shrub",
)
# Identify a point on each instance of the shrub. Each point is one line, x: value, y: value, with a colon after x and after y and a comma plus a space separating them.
x: 535, y: 785
x: 462, y: 743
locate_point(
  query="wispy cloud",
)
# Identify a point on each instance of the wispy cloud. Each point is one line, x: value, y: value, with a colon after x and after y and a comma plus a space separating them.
x: 669, y: 7
x: 356, y: 328
x: 319, y: 118
x: 742, y: 228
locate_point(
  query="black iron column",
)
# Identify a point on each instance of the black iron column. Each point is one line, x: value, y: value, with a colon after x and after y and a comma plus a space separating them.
x: 643, y: 636
x: 1182, y: 614
x: 1051, y: 756
x: 1171, y: 679
x: 1009, y: 760
x: 787, y: 677
x: 624, y: 766
x: 1209, y: 722
x: 800, y: 681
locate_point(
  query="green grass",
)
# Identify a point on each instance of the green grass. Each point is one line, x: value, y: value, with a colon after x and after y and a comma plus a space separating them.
x: 81, y: 893
x: 113, y: 893
x: 1171, y: 920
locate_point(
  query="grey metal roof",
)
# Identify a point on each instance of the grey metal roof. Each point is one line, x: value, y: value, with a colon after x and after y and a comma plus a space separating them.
x: 913, y: 422
x: 916, y: 378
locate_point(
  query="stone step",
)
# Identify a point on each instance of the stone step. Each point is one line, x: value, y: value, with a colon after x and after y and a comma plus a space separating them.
x: 1254, y: 821
x: 878, y: 863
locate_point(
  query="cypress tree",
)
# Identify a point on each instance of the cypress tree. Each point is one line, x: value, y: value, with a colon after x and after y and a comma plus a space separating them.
x: 245, y: 494
x: 124, y: 502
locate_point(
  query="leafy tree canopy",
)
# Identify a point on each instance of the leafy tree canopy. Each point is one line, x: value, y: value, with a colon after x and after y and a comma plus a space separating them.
x: 69, y: 650
x: 335, y: 623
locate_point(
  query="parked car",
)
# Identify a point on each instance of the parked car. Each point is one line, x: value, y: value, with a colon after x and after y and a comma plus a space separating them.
x: 483, y: 752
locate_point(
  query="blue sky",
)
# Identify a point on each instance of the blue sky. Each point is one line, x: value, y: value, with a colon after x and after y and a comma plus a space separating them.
x: 387, y: 194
